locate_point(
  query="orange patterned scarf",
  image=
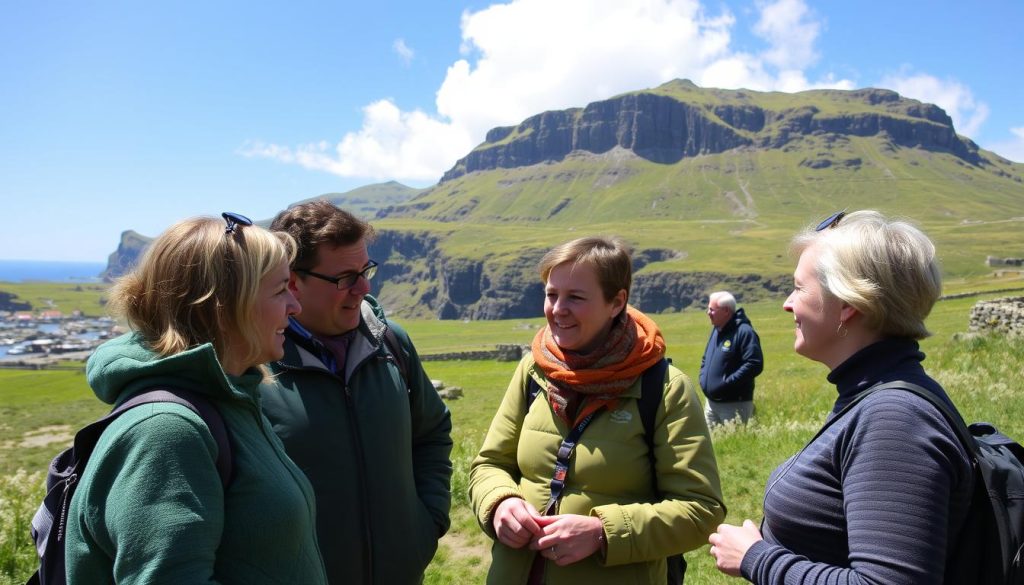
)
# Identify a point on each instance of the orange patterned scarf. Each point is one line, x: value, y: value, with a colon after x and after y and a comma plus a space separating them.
x: 597, y: 378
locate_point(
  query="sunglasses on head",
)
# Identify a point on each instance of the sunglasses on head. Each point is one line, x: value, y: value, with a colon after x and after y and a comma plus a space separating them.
x: 831, y: 221
x: 234, y: 220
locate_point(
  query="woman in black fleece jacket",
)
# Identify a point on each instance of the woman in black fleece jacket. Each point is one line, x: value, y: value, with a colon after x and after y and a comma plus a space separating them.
x: 881, y: 495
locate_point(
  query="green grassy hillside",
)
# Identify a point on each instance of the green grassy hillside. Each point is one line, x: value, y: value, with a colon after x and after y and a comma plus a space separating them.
x: 39, y: 410
x: 367, y: 200
x: 90, y: 299
x: 733, y: 211
x: 743, y: 205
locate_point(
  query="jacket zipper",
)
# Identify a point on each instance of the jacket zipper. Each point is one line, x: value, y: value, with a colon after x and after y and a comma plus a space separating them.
x: 356, y: 433
x: 363, y: 489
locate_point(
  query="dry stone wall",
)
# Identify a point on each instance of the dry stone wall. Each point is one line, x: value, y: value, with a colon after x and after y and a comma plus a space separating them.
x: 1004, y: 316
x: 501, y: 353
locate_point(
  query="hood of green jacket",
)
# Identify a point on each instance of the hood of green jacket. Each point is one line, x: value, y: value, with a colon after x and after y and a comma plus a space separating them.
x: 125, y: 365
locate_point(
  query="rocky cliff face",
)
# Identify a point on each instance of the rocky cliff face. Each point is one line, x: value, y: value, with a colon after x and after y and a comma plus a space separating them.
x: 665, y: 128
x: 128, y: 251
x: 510, y: 288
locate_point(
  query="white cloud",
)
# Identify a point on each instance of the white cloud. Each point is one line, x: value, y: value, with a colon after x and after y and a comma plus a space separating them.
x: 787, y: 27
x: 949, y: 94
x: 404, y: 51
x: 1013, y: 148
x: 391, y: 144
x: 528, y: 56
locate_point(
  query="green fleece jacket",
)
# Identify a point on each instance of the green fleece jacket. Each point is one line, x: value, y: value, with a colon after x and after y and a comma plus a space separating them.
x: 150, y: 507
x: 609, y: 477
x: 376, y: 448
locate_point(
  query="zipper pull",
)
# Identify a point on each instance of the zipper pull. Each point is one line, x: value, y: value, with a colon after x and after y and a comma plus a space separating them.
x: 64, y: 504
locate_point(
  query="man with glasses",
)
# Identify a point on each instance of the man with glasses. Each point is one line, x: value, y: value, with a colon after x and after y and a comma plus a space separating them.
x: 732, y: 359
x: 356, y: 411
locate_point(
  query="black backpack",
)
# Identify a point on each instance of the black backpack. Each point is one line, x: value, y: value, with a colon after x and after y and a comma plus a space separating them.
x: 991, y: 542
x: 49, y: 522
x: 652, y: 388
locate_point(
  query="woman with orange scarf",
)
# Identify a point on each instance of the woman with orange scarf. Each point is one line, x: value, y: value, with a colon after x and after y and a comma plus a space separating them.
x: 565, y: 482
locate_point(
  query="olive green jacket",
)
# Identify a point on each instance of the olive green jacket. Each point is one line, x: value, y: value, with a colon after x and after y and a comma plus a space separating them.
x: 609, y: 477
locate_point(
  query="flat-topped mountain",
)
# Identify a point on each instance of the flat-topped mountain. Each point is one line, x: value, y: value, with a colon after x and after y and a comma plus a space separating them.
x: 708, y: 185
x: 679, y: 120
x: 682, y: 151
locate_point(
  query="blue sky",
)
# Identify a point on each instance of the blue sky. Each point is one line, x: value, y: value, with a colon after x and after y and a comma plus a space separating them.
x: 119, y: 115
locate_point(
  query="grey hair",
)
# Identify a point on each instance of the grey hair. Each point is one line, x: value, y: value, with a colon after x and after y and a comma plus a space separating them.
x: 885, y: 268
x: 724, y: 299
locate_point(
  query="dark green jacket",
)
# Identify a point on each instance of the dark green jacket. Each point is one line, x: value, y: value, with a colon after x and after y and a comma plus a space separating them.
x: 150, y: 507
x: 377, y: 453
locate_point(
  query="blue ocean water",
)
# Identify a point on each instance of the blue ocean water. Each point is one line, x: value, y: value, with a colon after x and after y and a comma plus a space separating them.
x: 50, y: 271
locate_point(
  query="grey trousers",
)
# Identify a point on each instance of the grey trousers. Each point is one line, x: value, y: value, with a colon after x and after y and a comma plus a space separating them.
x: 716, y: 413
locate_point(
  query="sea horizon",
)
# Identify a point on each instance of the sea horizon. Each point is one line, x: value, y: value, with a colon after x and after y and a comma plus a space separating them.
x: 19, y: 271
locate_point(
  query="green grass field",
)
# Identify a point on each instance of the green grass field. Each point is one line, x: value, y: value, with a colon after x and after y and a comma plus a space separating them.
x: 87, y: 298
x: 983, y: 375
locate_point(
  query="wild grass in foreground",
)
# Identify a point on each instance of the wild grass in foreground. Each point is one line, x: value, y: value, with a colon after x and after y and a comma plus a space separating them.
x: 984, y: 375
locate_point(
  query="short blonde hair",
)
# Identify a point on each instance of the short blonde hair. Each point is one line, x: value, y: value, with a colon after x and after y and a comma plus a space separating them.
x: 196, y: 281
x: 885, y: 268
x: 608, y: 256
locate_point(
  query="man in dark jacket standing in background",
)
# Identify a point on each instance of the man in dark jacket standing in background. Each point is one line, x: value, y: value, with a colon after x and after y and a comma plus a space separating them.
x: 356, y: 411
x: 731, y: 361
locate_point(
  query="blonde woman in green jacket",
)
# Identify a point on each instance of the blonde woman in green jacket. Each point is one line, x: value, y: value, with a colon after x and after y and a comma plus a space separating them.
x: 609, y: 525
x: 208, y: 304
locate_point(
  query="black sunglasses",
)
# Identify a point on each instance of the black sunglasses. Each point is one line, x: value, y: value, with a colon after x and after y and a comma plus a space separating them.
x: 831, y: 221
x: 345, y: 281
x: 234, y: 220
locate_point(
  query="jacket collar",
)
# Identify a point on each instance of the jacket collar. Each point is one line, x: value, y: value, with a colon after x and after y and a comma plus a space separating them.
x: 304, y: 350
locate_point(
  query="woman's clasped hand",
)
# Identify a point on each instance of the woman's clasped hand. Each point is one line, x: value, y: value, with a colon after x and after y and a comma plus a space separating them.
x: 563, y: 538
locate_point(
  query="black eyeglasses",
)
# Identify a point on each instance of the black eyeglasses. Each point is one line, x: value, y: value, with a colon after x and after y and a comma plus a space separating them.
x: 345, y: 281
x: 234, y: 220
x: 831, y: 221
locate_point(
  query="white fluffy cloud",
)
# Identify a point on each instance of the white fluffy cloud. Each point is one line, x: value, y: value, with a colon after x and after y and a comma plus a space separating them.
x: 391, y: 144
x: 788, y: 27
x: 528, y: 56
x: 1013, y: 148
x: 950, y: 95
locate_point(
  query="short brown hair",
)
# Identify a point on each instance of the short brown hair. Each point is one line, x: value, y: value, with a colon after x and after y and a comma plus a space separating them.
x: 320, y: 222
x: 195, y: 282
x: 608, y: 256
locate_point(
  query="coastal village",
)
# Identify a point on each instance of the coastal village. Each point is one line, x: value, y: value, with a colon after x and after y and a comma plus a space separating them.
x: 35, y: 338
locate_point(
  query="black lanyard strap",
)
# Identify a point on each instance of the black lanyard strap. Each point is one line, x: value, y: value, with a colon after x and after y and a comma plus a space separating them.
x: 565, y: 452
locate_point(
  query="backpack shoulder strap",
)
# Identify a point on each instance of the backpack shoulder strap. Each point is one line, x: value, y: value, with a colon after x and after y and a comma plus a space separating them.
x: 198, y: 404
x: 532, y: 390
x: 955, y: 420
x: 652, y: 389
x: 395, y: 347
x: 952, y: 417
